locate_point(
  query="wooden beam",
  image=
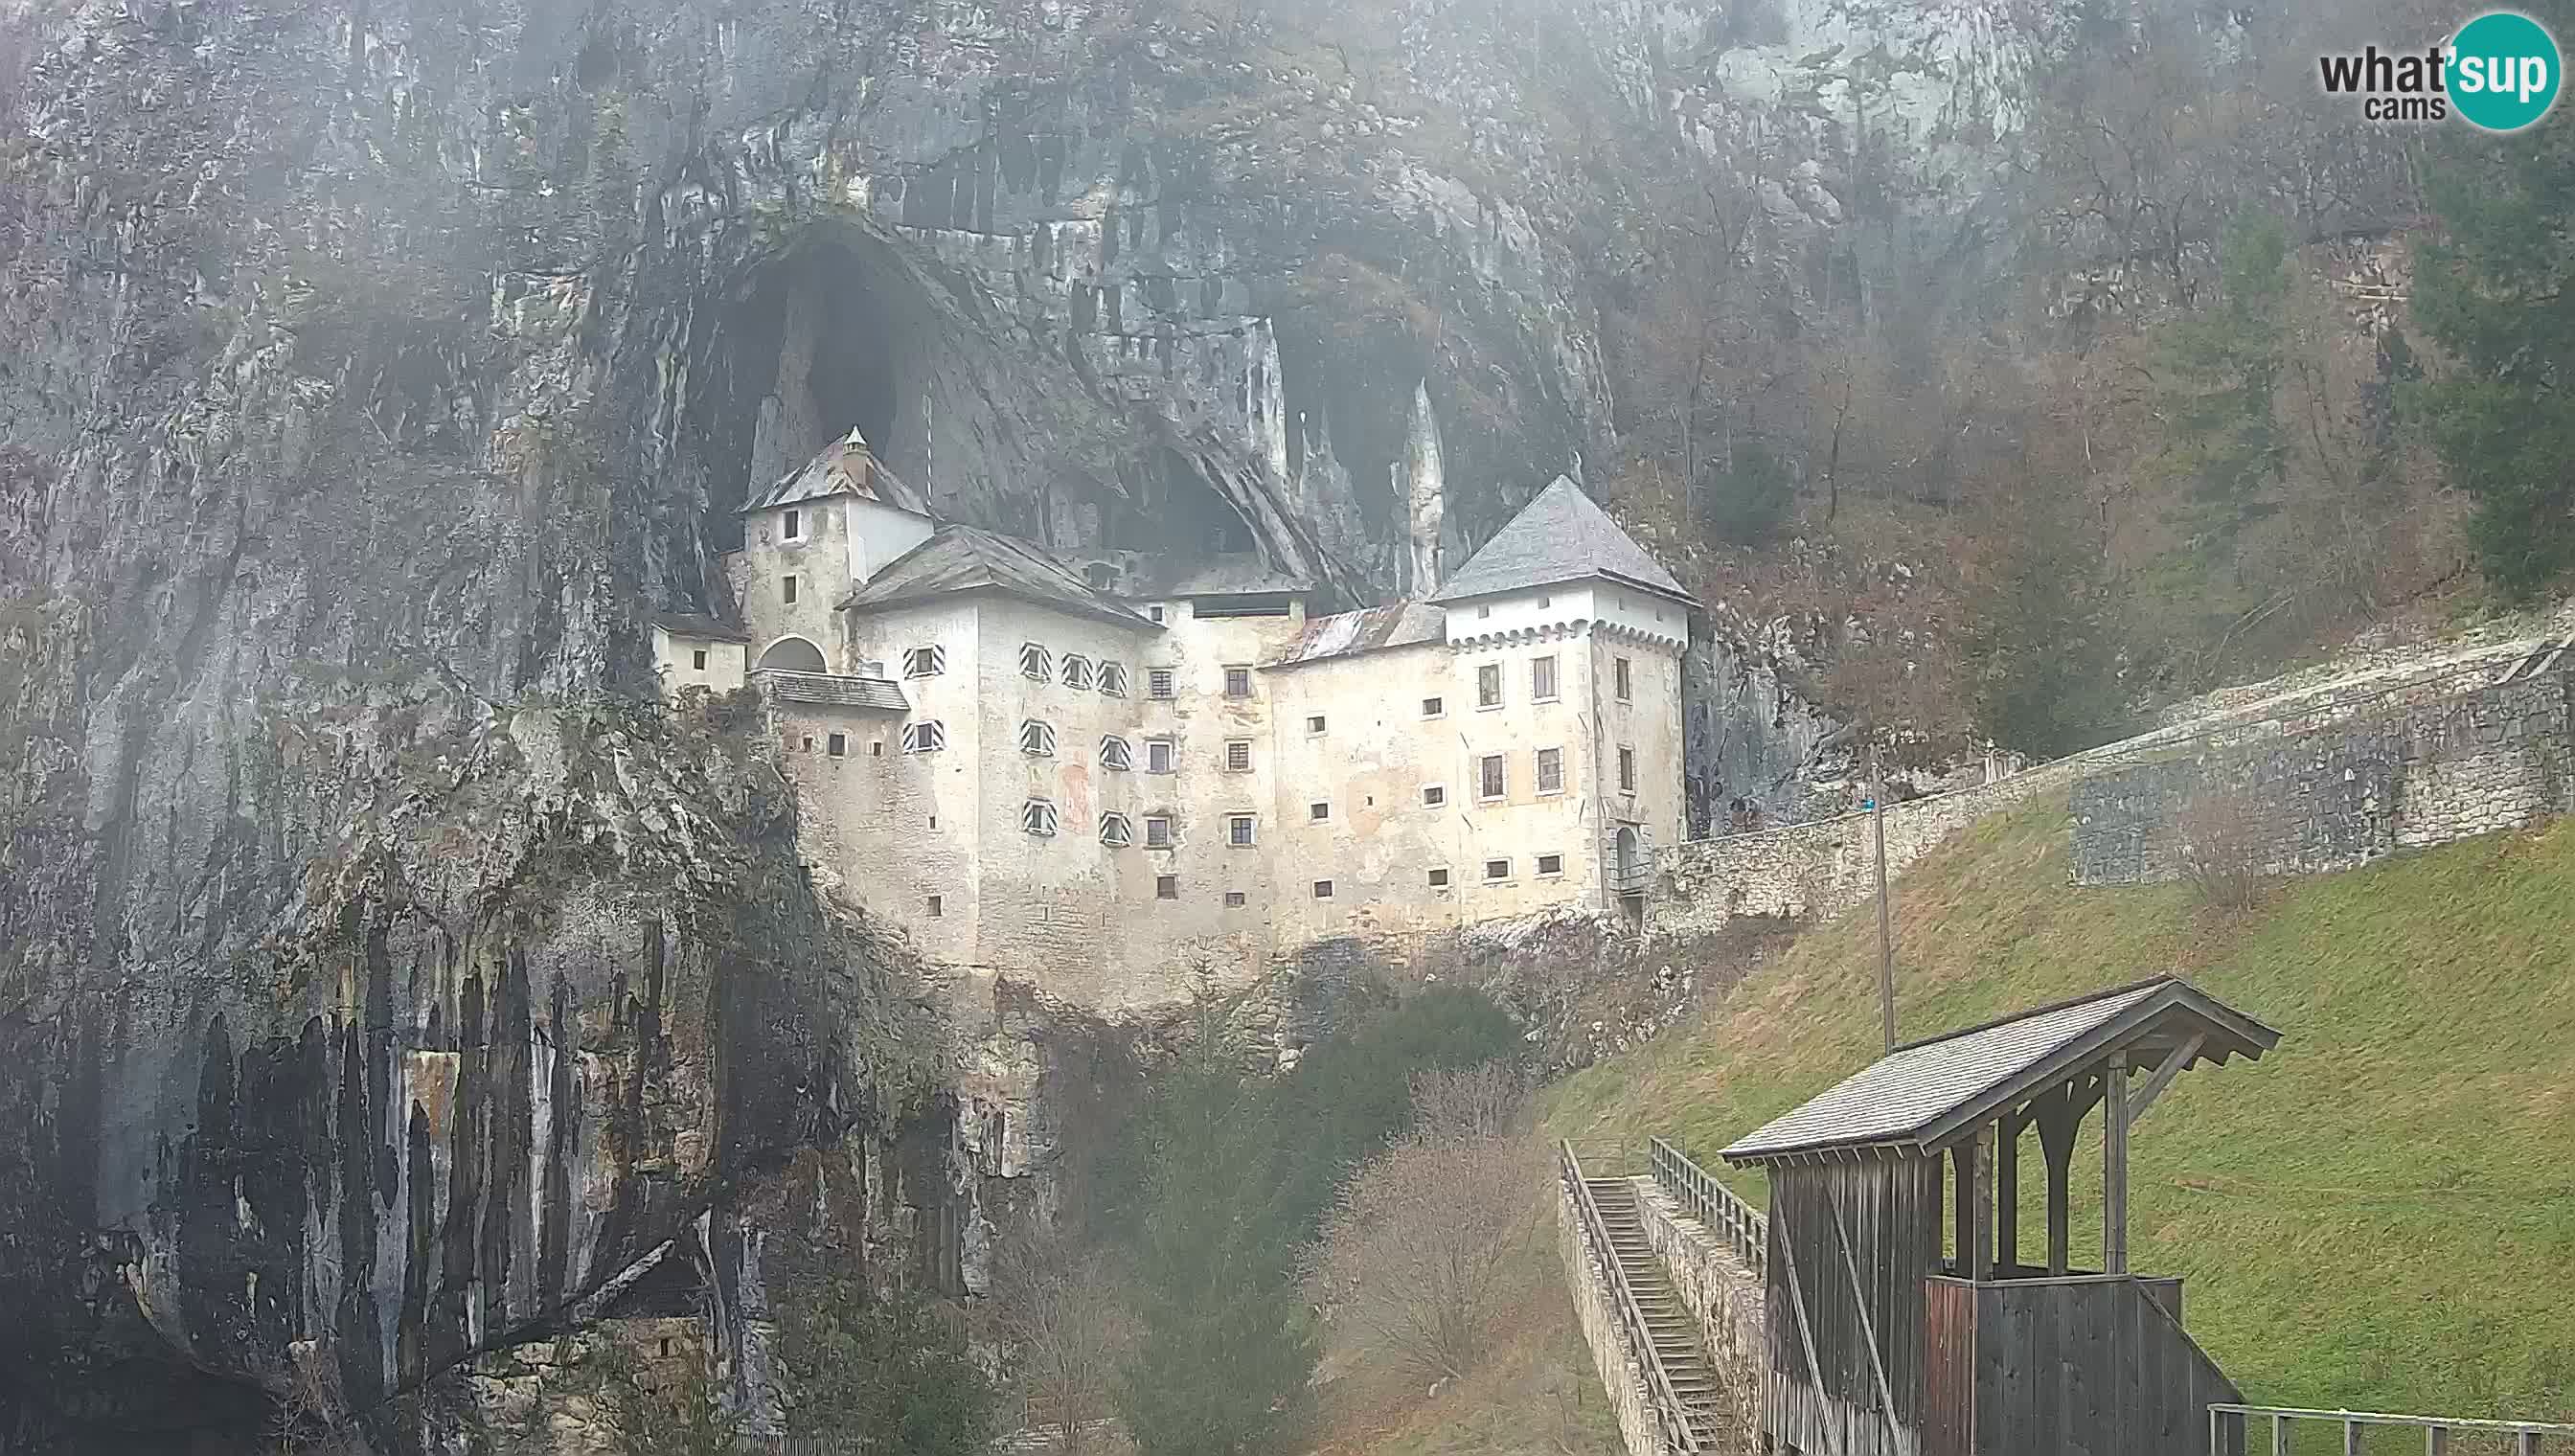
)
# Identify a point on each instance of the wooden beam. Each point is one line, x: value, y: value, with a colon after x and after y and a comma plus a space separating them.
x: 2007, y: 1193
x: 1805, y: 1328
x: 2114, y: 1168
x: 1867, y: 1329
x: 2144, y: 1097
x: 1971, y: 1231
x: 1983, y: 1268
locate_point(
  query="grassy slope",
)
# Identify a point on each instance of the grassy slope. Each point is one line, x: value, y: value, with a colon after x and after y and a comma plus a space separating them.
x: 2380, y: 1214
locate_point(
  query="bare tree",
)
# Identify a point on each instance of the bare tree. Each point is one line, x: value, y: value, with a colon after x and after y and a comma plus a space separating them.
x: 1059, y: 1309
x: 1460, y: 1103
x: 2218, y: 844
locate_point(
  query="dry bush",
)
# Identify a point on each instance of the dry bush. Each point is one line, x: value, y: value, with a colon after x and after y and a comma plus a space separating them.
x: 1070, y: 1336
x: 1429, y: 1245
x: 2219, y: 846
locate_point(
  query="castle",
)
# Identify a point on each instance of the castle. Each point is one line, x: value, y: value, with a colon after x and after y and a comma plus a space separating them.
x: 1105, y: 774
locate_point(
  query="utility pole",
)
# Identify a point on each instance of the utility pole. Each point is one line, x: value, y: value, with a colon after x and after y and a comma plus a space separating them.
x: 1886, y: 938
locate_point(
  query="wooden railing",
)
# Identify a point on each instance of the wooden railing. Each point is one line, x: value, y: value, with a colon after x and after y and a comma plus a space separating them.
x: 1670, y: 1413
x: 2231, y: 1427
x: 1713, y: 1204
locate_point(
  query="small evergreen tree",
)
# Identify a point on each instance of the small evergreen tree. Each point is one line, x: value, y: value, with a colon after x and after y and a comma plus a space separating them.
x: 884, y: 1372
x: 1746, y: 501
x: 2041, y: 644
x: 2498, y: 292
x: 2221, y: 372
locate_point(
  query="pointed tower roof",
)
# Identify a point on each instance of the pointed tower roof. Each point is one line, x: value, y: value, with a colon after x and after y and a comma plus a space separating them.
x: 846, y: 467
x: 1559, y: 536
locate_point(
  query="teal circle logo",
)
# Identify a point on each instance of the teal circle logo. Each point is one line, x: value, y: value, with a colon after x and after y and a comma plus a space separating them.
x: 2503, y: 71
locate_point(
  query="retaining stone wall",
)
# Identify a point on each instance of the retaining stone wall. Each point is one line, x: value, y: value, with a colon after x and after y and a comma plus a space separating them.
x: 1595, y: 1307
x: 1723, y: 1295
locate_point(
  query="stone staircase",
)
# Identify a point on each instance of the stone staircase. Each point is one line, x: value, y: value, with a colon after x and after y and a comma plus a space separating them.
x: 1667, y: 1320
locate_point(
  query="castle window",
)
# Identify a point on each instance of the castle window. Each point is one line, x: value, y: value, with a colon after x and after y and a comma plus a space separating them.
x: 838, y: 746
x: 1100, y: 576
x: 1157, y: 681
x: 1550, y: 865
x: 1497, y: 869
x: 809, y: 742
x: 1489, y: 685
x: 1158, y: 831
x: 794, y: 525
x: 1618, y: 672
x: 697, y: 659
x: 926, y: 662
x: 1238, y: 831
x: 1627, y: 770
x: 927, y: 736
x: 1323, y: 890
x: 1483, y: 611
x: 1315, y: 724
x: 1158, y: 755
x: 1237, y: 755
x: 1113, y: 679
x: 1434, y: 796
x: 1318, y: 811
x: 1037, y: 739
x: 1233, y: 900
x: 1167, y: 886
x: 1038, y: 817
x: 876, y: 748
x: 1114, y: 831
x: 787, y: 590
x: 1238, y: 682
x: 1113, y: 754
x: 1154, y: 611
x: 1491, y: 781
x: 1077, y: 672
x: 1543, y: 679
x: 1439, y: 880
x: 1036, y: 662
x: 1434, y: 707
x: 1545, y: 602
x: 937, y: 907
x: 1550, y: 770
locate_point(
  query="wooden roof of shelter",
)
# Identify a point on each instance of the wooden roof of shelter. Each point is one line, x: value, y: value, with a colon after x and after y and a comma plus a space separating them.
x: 1924, y: 1095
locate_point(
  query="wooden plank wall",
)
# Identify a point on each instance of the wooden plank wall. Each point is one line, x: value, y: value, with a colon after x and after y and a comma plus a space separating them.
x: 1890, y: 1212
x: 2087, y: 1367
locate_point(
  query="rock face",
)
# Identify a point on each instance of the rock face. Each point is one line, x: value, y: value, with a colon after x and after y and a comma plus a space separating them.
x: 379, y: 978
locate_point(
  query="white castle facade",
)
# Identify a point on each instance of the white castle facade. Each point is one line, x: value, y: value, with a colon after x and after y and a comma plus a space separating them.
x: 1110, y: 774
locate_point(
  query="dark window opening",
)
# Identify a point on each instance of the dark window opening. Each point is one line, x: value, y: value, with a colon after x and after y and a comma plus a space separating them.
x: 1323, y: 890
x: 1438, y: 879
x: 937, y: 907
x: 1167, y: 886
x: 697, y: 659
x: 840, y: 746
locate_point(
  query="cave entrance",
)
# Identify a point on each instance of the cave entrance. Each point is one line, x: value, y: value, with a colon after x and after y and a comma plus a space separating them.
x: 837, y: 334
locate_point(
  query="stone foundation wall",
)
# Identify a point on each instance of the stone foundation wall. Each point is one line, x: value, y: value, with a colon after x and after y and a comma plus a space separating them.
x: 1595, y: 1307
x: 1723, y: 1295
x: 2359, y: 786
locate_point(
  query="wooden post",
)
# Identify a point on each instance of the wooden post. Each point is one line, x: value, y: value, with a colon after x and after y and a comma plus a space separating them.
x: 2114, y: 1169
x: 1969, y: 1231
x: 2007, y: 1194
x: 2437, y: 1441
x: 2058, y: 1115
x: 1983, y: 1266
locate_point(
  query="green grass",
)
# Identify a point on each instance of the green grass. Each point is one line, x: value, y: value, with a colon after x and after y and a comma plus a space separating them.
x: 2379, y: 1214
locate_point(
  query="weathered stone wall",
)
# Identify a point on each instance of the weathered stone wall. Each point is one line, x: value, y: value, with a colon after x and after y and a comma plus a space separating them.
x: 2411, y: 774
x: 1723, y: 1295
x: 1595, y: 1307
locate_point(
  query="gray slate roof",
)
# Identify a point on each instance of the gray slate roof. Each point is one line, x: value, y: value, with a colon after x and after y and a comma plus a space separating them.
x: 682, y: 623
x: 1347, y: 633
x: 1924, y: 1093
x: 969, y: 558
x: 831, y: 690
x: 1559, y: 536
x: 846, y: 467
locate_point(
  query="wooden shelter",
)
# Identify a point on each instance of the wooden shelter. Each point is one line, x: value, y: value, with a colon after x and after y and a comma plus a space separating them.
x: 1903, y: 1321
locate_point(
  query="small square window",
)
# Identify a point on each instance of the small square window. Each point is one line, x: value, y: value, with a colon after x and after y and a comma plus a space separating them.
x: 1037, y: 739
x: 787, y: 590
x: 1036, y: 662
x: 1627, y: 770
x: 1433, y: 707
x: 927, y: 736
x: 1497, y: 869
x: 1618, y: 672
x: 1167, y: 886
x: 1113, y: 679
x: 926, y: 662
x: 1550, y: 770
x: 794, y: 525
x: 1323, y: 890
x: 1158, y: 753
x: 1545, y: 602
x: 1233, y: 900
x: 1550, y: 865
x: 1077, y: 672
x: 1238, y: 831
x: 1434, y: 796
x: 1483, y: 611
x: 1237, y: 755
x: 937, y: 907
x: 876, y: 748
x: 1157, y: 681
x: 807, y: 744
x: 1113, y: 754
x: 1543, y: 679
x: 1315, y: 724
x: 1238, y: 682
x: 1158, y: 831
x: 697, y: 659
x: 1318, y: 810
x: 1491, y: 780
x: 1038, y: 817
x: 1153, y: 613
x: 1489, y: 685
x: 1114, y: 831
x: 838, y: 746
x: 1439, y: 880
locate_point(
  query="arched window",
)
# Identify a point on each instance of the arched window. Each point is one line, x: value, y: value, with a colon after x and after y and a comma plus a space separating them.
x: 793, y: 655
